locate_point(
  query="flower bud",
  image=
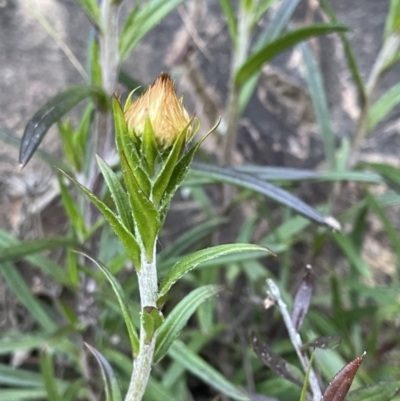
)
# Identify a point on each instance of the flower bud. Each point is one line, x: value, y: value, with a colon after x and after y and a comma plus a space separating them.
x: 164, y: 110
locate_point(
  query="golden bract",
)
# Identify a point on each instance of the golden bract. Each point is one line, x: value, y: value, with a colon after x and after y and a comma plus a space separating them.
x: 165, y: 111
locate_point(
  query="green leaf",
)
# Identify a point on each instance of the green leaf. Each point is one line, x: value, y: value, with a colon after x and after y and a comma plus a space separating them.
x: 385, y: 391
x: 155, y: 391
x: 126, y: 145
x: 123, y: 303
x: 25, y: 248
x: 351, y: 253
x: 91, y: 9
x: 270, y: 50
x: 318, y: 96
x: 26, y: 394
x: 201, y: 369
x: 152, y: 319
x: 10, y: 376
x: 387, y: 224
x: 118, y: 193
x: 71, y: 208
x: 45, y: 264
x: 116, y: 224
x: 142, y: 20
x: 195, y: 259
x: 162, y: 181
x: 272, y: 30
x: 146, y: 216
x: 177, y: 319
x: 47, y: 369
x: 190, y: 237
x: 50, y: 113
x: 383, y: 106
x: 111, y: 385
x: 23, y: 293
x: 303, y: 396
x: 8, y: 137
x: 393, y: 19
x: 348, y: 51
x: 281, y: 196
x: 182, y: 168
x: 229, y: 13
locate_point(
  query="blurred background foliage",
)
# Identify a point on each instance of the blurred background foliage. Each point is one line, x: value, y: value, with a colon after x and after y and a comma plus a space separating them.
x: 308, y: 92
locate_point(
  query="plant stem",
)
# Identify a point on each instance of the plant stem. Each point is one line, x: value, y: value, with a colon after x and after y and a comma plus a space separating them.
x: 295, y: 339
x: 147, y: 278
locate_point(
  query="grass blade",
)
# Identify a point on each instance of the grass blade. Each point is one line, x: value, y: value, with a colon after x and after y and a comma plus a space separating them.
x: 200, y: 368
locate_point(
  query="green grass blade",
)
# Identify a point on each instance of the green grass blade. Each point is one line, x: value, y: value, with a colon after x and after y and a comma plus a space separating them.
x: 348, y: 51
x: 177, y: 319
x: 271, y: 49
x: 386, y: 391
x: 255, y: 184
x: 201, y: 369
x: 112, y: 389
x: 142, y: 20
x: 43, y: 263
x: 123, y: 303
x: 27, y: 394
x: 229, y: 13
x: 47, y: 369
x: 318, y: 96
x: 383, y: 106
x: 198, y: 258
x: 23, y: 293
x: 351, y: 253
x: 25, y: 248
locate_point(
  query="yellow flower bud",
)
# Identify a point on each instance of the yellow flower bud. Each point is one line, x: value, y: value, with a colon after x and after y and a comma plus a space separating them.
x: 165, y: 111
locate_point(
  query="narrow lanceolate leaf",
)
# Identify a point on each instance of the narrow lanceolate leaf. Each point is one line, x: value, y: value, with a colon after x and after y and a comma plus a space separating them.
x: 91, y: 8
x: 196, y: 259
x: 340, y: 385
x: 141, y: 20
x: 386, y: 391
x: 126, y: 237
x: 48, y: 374
x: 320, y: 103
x: 383, y: 106
x: 145, y: 214
x: 118, y: 193
x: 111, y: 385
x: 152, y: 319
x: 271, y: 191
x: 49, y: 114
x: 123, y: 303
x: 24, y: 295
x: 275, y: 362
x: 303, y: 396
x: 71, y: 208
x: 271, y: 49
x: 162, y: 180
x: 201, y: 369
x: 23, y: 249
x: 302, y: 298
x: 177, y: 319
x: 182, y: 167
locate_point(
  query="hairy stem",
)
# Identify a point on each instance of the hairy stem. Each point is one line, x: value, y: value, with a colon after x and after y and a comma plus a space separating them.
x: 147, y: 277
